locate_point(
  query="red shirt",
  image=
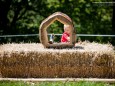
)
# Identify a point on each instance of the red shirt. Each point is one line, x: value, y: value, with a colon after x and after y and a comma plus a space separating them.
x: 64, y: 37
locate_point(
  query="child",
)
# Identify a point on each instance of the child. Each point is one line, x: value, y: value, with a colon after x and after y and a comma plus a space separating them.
x: 66, y: 35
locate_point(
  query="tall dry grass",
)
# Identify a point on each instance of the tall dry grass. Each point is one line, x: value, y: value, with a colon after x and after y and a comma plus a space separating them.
x: 32, y: 60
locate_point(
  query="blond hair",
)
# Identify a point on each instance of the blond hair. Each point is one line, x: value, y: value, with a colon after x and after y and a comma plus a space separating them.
x: 66, y: 25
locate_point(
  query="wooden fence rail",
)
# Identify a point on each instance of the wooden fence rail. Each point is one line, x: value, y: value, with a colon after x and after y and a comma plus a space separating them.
x: 59, y: 79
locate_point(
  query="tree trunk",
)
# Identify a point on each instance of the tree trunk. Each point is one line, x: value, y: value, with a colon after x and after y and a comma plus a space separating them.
x: 4, y: 21
x: 4, y: 8
x: 113, y: 24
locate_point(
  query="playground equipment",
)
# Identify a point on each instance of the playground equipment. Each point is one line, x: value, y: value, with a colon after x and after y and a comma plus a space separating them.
x: 32, y: 60
x: 63, y: 18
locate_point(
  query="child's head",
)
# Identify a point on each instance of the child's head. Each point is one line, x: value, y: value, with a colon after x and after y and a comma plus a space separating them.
x: 67, y: 28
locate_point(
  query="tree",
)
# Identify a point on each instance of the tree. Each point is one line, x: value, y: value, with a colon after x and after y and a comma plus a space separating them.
x: 14, y: 12
x: 113, y: 23
x: 4, y: 9
x: 25, y: 16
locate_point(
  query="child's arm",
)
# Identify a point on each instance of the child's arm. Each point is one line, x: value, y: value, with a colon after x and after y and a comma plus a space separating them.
x: 68, y: 38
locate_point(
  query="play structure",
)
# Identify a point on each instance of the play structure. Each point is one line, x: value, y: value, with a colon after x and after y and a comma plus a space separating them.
x: 64, y: 19
x: 86, y: 60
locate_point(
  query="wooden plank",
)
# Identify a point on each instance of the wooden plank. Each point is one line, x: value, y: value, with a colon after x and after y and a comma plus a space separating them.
x: 59, y: 79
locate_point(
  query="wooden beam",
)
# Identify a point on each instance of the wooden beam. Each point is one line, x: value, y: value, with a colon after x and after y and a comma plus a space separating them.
x: 59, y: 79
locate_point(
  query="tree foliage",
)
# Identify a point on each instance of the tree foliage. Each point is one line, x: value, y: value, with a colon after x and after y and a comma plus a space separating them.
x: 25, y: 16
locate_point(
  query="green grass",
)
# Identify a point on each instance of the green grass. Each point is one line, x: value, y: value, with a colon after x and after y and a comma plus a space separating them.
x: 9, y: 83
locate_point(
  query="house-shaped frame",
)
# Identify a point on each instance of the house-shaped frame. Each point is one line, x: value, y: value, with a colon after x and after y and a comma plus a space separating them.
x: 64, y: 19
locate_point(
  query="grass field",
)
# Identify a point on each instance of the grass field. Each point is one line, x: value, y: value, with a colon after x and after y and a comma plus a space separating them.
x: 7, y: 83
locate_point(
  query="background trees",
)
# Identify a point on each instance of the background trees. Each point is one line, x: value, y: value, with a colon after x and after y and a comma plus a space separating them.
x: 25, y: 16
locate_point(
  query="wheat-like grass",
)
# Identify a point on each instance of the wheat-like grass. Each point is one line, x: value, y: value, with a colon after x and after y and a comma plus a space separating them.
x: 33, y: 60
